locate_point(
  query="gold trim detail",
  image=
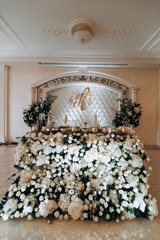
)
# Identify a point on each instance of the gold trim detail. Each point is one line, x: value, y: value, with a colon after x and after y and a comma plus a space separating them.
x: 82, y: 29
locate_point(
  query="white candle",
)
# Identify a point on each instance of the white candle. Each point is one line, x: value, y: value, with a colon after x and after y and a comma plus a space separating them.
x: 95, y: 120
x: 65, y: 120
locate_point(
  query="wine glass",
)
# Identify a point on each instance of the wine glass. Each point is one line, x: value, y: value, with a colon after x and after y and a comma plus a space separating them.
x: 85, y: 123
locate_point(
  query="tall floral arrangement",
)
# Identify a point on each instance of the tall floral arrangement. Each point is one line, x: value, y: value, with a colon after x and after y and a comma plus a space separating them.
x: 31, y: 114
x: 129, y: 114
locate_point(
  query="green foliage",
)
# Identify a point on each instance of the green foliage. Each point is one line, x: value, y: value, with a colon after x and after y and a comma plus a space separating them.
x: 129, y: 113
x: 31, y: 114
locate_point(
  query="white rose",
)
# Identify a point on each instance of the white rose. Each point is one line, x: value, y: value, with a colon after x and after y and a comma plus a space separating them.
x: 85, y: 215
x: 90, y: 197
x: 30, y: 209
x: 95, y: 219
x: 56, y: 214
x: 66, y: 217
x: 22, y: 197
x: 107, y: 216
x: 4, y: 217
x: 61, y: 217
x: 10, y: 194
x: 17, y: 214
x: 41, y: 198
x: 29, y: 217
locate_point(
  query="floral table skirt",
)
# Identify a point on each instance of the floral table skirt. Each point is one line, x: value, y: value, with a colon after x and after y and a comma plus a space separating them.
x: 82, y: 176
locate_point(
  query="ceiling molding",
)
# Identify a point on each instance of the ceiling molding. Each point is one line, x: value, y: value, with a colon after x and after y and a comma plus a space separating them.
x: 97, y: 63
x: 10, y: 34
x: 152, y: 41
x: 108, y: 32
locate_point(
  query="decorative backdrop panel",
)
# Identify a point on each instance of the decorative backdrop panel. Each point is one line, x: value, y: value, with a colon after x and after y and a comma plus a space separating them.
x: 102, y: 101
x: 83, y: 79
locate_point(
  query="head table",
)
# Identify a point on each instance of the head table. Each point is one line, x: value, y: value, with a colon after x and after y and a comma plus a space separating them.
x: 79, y: 175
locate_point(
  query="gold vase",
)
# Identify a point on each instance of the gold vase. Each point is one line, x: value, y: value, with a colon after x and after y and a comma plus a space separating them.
x: 44, y: 128
x: 74, y: 129
x: 85, y: 130
x: 105, y: 130
x: 55, y: 129
x: 124, y: 130
x: 94, y: 129
x: 63, y: 130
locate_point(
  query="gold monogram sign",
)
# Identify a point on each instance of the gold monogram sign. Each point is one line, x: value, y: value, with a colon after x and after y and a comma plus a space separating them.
x: 82, y: 100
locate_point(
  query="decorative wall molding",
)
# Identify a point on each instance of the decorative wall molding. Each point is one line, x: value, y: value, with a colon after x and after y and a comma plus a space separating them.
x: 10, y: 34
x: 4, y: 104
x: 32, y: 94
x: 158, y: 115
x: 134, y: 93
x: 81, y: 78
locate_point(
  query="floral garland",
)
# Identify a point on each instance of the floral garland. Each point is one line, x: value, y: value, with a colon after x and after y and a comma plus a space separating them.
x: 31, y: 114
x: 82, y: 176
x: 129, y: 113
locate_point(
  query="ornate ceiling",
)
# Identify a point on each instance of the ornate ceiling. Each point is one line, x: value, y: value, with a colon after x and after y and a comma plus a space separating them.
x: 126, y: 31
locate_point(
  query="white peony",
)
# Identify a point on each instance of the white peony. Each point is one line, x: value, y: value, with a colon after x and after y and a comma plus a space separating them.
x: 64, y: 202
x: 36, y: 146
x: 20, y: 150
x: 25, y: 176
x: 132, y: 180
x: 75, y: 168
x: 136, y: 162
x: 143, y: 189
x: 46, y: 182
x: 127, y: 215
x: 59, y: 149
x: 10, y: 206
x: 47, y: 150
x: 113, y: 196
x: 122, y: 163
x: 40, y: 160
x: 118, y: 153
x: 139, y: 202
x: 152, y: 206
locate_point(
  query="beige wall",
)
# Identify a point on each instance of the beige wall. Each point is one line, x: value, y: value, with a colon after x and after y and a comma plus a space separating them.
x: 21, y: 78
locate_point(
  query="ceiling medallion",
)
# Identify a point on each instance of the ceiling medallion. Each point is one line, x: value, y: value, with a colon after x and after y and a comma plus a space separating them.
x: 83, y: 30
